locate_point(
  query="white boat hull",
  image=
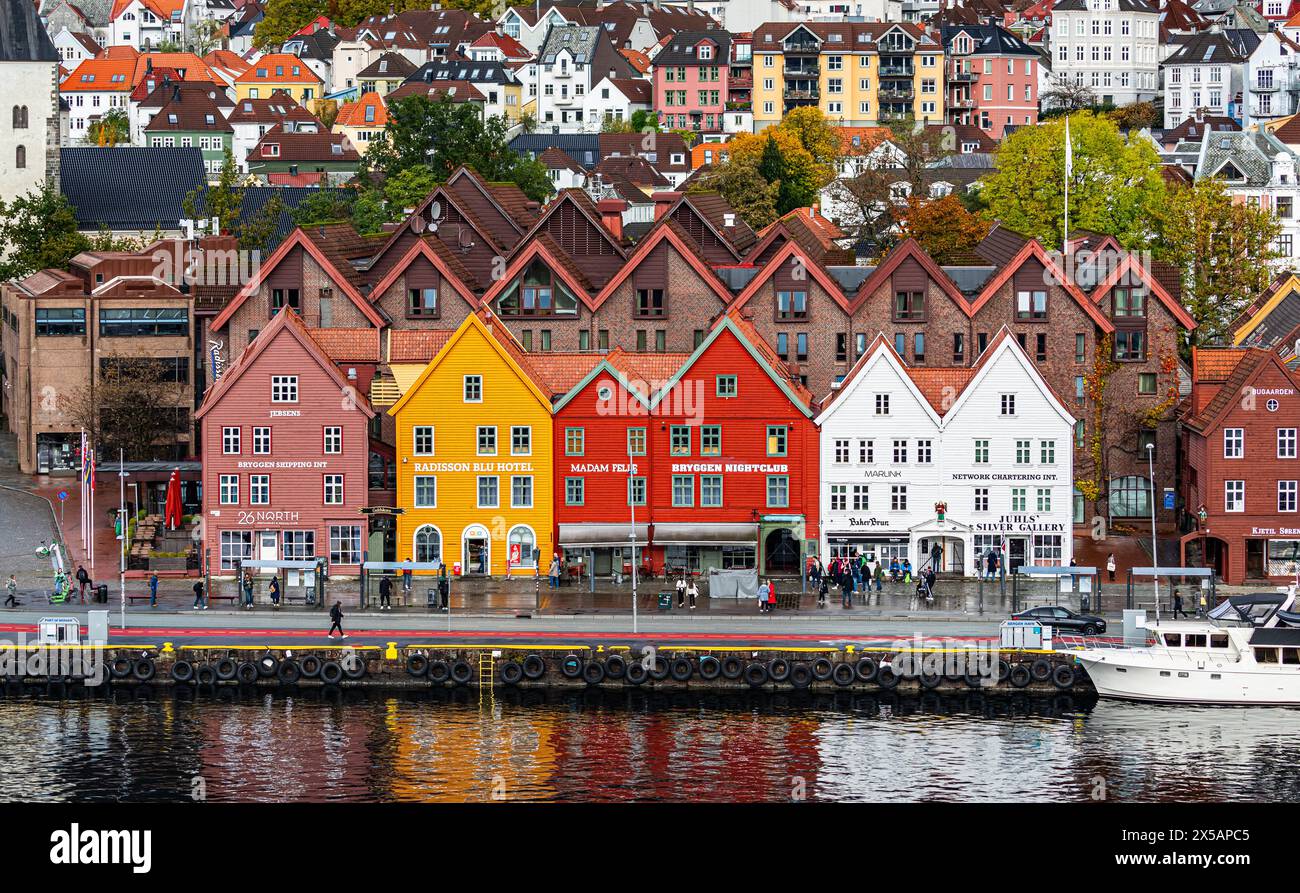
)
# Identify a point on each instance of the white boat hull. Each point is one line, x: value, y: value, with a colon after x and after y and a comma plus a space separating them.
x: 1139, y: 676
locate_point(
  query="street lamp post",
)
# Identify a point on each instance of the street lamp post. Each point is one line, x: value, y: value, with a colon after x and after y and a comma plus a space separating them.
x: 1155, y: 550
x: 631, y: 498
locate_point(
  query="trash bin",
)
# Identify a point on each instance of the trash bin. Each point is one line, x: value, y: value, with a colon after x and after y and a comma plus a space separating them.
x: 101, y: 593
x: 432, y: 598
x: 665, y: 601
x: 1085, y: 603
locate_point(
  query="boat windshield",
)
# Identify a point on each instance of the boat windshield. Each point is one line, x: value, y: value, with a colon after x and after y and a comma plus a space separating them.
x: 1253, y: 608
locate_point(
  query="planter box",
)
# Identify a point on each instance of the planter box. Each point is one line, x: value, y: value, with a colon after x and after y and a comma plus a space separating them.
x: 166, y: 564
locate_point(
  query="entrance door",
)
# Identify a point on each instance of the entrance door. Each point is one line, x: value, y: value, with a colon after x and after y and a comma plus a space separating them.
x: 782, y: 552
x: 1255, y: 559
x: 477, y: 552
x: 1018, y: 547
x: 267, y: 541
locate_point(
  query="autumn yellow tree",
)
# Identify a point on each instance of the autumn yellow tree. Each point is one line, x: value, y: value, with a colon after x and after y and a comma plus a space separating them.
x: 945, y: 229
x: 793, y: 160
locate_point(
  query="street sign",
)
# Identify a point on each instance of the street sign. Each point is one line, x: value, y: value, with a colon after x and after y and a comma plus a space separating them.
x: 1169, y: 498
x: 63, y: 494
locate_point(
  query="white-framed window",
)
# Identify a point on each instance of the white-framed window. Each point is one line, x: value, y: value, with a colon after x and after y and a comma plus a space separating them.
x: 487, y: 440
x: 1008, y: 404
x: 1234, y: 496
x: 259, y: 489
x: 866, y: 452
x: 473, y: 389
x: 345, y: 544
x: 981, y: 499
x: 861, y: 497
x: 333, y: 489
x: 422, y: 436
x: 882, y: 404
x: 1044, y: 496
x: 900, y: 452
x: 1234, y: 443
x: 981, y: 452
x: 1286, y: 496
x: 1047, y: 452
x: 521, y: 491
x: 841, y: 452
x: 1018, y: 499
x: 1023, y: 448
x: 898, y: 497
x: 230, y: 441
x: 426, y: 491
x: 229, y: 487
x: 521, y: 440
x: 299, y: 545
x: 284, y: 389
x: 236, y: 545
x: 261, y: 441
x: 428, y: 544
x: 839, y: 497
x: 333, y: 440
x: 1286, y: 443
x: 489, y: 491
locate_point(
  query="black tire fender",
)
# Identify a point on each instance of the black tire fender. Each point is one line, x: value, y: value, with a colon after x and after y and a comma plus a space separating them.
x: 1020, y: 676
x: 417, y: 665
x: 710, y: 667
x: 930, y: 680
x: 510, y: 672
x: 571, y: 666
x: 246, y: 672
x: 756, y: 675
x: 205, y: 674
x: 439, y: 671
x: 822, y: 669
x: 732, y: 667
x: 120, y: 667
x: 1041, y: 669
x: 534, y: 667
x: 226, y: 668
x: 461, y: 672
x: 866, y: 669
x: 660, y: 669
x: 636, y: 673
x: 800, y: 675
x: 1064, y: 676
x: 288, y: 672
x: 267, y: 665
x: 778, y: 669
x: 615, y: 666
x: 681, y: 669
x: 182, y: 671
x: 354, y: 666
x: 331, y: 672
x: 143, y: 668
x: 593, y: 672
x: 843, y: 674
x: 887, y: 678
x: 1004, y: 670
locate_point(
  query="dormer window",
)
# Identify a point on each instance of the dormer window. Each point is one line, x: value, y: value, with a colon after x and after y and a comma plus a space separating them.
x: 538, y: 293
x: 1031, y: 304
x: 1129, y: 303
x: 271, y: 150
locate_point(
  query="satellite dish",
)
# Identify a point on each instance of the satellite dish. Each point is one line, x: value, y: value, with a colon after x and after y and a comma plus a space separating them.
x: 465, y: 240
x: 435, y: 212
x: 417, y: 224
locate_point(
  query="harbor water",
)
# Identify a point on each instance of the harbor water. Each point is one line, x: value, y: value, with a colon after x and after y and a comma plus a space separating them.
x: 151, y: 745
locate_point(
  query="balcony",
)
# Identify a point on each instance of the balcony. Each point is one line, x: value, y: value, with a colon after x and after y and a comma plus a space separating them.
x: 963, y: 77
x: 962, y: 102
x: 1265, y: 88
x: 807, y: 71
x: 741, y: 83
x: 737, y: 106
x: 894, y: 115
x: 556, y: 72
x: 802, y: 48
x: 897, y: 71
x: 896, y: 94
x: 801, y: 95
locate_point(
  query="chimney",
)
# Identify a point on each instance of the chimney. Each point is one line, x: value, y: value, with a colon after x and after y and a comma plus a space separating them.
x: 611, y: 215
x: 1200, y: 114
x: 663, y: 201
x: 729, y: 220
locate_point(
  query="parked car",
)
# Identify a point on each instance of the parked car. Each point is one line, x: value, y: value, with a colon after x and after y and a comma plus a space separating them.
x: 1064, y: 619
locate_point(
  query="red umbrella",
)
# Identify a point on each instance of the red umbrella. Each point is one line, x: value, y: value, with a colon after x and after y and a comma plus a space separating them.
x: 172, y: 510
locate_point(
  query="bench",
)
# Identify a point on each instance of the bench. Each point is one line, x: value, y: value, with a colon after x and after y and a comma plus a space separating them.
x: 138, y: 597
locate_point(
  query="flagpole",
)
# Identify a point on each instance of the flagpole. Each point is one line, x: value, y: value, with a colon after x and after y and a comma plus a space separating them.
x: 1069, y: 169
x: 121, y: 523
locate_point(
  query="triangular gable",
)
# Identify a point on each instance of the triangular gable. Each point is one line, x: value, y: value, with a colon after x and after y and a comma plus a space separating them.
x: 422, y: 249
x: 1032, y: 249
x: 726, y: 324
x: 1005, y: 341
x: 685, y: 202
x: 804, y: 28
x: 535, y: 249
x: 880, y: 350
x: 1243, y: 377
x: 440, y: 193
x: 472, y: 322
x: 660, y: 234
x: 297, y: 239
x: 567, y: 196
x: 604, y: 367
x: 1227, y: 169
x: 285, y: 320
x: 1131, y: 264
x: 790, y: 249
x: 910, y: 248
x: 1287, y: 288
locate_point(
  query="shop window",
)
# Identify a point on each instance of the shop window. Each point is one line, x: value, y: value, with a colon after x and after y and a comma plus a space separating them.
x: 236, y: 545
x: 345, y: 544
x: 428, y: 544
x: 1130, y: 497
x: 523, y: 542
x: 299, y: 545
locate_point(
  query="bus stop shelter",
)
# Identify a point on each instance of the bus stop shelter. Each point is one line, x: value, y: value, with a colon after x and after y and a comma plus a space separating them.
x: 300, y: 580
x: 1203, y: 577
x: 402, y: 573
x: 1076, y: 586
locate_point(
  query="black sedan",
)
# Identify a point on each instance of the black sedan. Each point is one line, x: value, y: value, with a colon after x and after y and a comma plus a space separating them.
x: 1064, y: 619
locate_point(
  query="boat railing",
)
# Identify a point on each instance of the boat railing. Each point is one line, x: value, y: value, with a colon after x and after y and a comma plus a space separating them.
x: 1096, y: 643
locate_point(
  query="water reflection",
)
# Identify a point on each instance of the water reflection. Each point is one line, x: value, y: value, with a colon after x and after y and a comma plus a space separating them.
x: 635, y: 745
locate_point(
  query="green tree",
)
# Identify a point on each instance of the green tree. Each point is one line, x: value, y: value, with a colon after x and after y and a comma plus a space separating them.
x: 643, y: 120
x: 442, y: 135
x: 283, y: 17
x: 324, y: 206
x: 1115, y: 186
x: 409, y: 187
x: 1223, y: 250
x: 256, y: 232
x: 40, y: 231
x: 369, y: 213
x: 109, y: 129
x: 223, y: 200
x: 744, y: 188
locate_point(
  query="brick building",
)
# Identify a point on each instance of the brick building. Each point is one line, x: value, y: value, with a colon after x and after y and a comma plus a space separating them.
x: 1241, y: 466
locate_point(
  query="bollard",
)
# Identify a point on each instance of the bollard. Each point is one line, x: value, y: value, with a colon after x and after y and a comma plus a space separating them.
x: 391, y: 652
x: 166, y: 648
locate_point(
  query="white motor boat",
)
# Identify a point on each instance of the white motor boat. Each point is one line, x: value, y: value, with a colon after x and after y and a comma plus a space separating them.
x: 1247, y: 651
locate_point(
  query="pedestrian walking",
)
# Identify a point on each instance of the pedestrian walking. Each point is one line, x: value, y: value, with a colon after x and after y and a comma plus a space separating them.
x: 11, y: 590
x: 681, y: 591
x: 1178, y: 604
x: 880, y: 575
x: 554, y: 571
x: 990, y: 564
x: 336, y: 620
x: 153, y: 590
x: 248, y: 592
x: 198, y: 595
x: 385, y: 594
x: 771, y: 597
x: 274, y: 589
x: 1110, y: 567
x: 692, y: 593
x: 83, y: 580
x: 822, y: 589
x: 763, y: 590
